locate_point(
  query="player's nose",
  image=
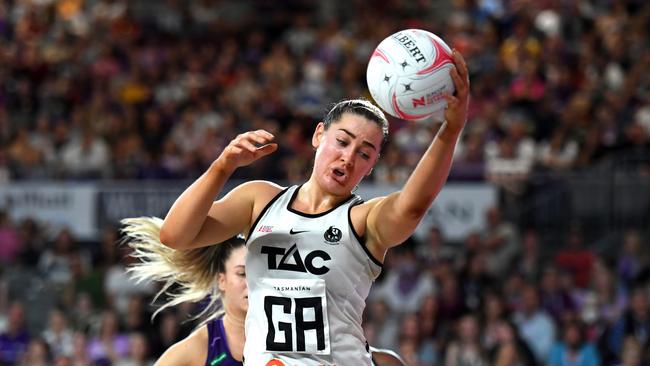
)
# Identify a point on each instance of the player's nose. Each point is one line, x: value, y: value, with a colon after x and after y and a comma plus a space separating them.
x: 348, y: 158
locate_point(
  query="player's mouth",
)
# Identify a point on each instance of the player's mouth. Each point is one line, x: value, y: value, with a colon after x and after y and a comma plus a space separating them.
x: 339, y: 175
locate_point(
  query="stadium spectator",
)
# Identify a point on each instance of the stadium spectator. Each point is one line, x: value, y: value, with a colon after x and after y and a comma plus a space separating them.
x: 633, y: 259
x: 58, y: 336
x: 493, y: 313
x: 138, y: 354
x: 610, y: 296
x: 385, y: 327
x: 10, y: 239
x: 634, y: 323
x: 555, y: 300
x: 54, y: 262
x: 37, y: 354
x: 530, y: 260
x: 573, y: 349
x: 80, y: 355
x: 466, y: 349
x: 117, y: 286
x: 510, y: 348
x: 404, y: 288
x: 425, y: 350
x: 14, y: 341
x: 86, y: 157
x: 108, y: 345
x: 576, y: 259
x: 469, y: 161
x: 501, y: 241
x: 536, y: 327
x: 560, y: 153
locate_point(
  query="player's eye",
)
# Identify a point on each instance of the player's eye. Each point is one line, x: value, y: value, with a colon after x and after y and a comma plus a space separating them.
x: 364, y: 156
x: 342, y: 142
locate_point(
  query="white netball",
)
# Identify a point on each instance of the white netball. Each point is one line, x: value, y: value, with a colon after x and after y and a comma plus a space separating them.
x: 408, y: 73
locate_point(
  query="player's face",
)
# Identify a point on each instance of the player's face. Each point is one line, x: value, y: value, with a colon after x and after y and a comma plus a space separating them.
x: 232, y: 283
x: 346, y: 152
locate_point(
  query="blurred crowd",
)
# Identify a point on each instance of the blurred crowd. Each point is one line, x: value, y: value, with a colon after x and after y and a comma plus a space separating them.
x: 147, y: 89
x: 155, y: 89
x: 498, y: 299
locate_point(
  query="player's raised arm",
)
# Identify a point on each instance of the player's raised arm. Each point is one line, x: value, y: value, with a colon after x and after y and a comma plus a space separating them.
x: 194, y: 220
x: 392, y: 219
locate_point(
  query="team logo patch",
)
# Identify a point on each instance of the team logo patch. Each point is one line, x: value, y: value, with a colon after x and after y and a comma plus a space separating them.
x: 275, y: 362
x: 333, y: 235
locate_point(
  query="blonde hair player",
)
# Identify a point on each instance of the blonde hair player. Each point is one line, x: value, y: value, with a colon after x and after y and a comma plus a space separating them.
x: 219, y: 340
x: 216, y: 273
x: 314, y: 249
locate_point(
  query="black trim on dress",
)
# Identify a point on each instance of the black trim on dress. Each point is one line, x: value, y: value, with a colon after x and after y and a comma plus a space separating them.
x: 266, y: 208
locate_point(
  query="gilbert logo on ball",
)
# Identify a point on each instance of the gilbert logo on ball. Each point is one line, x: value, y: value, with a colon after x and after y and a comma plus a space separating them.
x: 408, y: 72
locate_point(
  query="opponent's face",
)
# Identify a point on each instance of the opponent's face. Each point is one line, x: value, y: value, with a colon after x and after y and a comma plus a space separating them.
x: 232, y: 283
x: 346, y: 152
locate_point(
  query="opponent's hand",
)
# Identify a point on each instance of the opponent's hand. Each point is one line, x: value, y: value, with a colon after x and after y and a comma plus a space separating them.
x: 457, y: 105
x: 246, y: 148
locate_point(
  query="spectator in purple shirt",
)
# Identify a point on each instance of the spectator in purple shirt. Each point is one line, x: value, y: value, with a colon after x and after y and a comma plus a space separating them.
x: 109, y: 345
x: 13, y: 342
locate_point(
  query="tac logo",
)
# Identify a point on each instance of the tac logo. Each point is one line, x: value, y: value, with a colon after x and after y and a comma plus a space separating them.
x: 333, y: 235
x: 275, y: 362
x: 292, y: 260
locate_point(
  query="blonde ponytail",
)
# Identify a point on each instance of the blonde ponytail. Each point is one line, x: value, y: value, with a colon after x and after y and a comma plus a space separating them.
x: 193, y: 270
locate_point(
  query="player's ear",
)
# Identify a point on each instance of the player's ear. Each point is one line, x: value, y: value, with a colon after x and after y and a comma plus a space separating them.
x: 221, y: 281
x: 319, y: 132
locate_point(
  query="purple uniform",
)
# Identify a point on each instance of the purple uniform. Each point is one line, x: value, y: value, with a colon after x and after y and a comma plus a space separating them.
x: 218, y: 351
x: 12, y: 348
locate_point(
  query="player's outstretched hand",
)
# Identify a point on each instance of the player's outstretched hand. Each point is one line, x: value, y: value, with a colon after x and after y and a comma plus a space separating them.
x: 456, y: 112
x: 246, y: 148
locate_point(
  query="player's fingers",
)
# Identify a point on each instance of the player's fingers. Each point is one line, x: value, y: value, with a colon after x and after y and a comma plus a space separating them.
x: 459, y: 61
x: 236, y: 150
x: 266, y: 149
x: 261, y: 137
x: 460, y: 86
x: 258, y: 138
x: 246, y: 145
x: 455, y: 77
x: 265, y: 133
x: 451, y: 100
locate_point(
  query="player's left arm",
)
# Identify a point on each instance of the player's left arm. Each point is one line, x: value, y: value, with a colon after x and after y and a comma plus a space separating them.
x: 392, y: 219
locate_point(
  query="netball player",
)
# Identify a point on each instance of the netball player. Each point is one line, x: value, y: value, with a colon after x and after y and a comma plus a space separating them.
x: 218, y: 342
x: 216, y: 273
x: 315, y: 249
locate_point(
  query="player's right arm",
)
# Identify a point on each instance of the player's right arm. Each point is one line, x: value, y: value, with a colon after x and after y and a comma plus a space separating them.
x: 191, y: 351
x: 194, y: 220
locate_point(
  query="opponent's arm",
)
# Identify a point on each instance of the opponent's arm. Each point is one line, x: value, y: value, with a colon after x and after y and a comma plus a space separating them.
x: 194, y: 220
x: 191, y: 351
x: 393, y: 219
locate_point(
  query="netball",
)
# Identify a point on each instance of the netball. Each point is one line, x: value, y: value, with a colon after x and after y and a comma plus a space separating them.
x: 408, y: 73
